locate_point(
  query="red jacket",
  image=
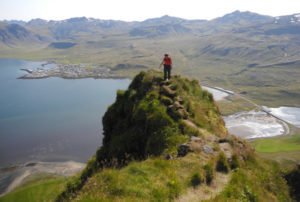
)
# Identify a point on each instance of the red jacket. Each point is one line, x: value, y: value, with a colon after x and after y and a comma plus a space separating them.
x: 168, y: 61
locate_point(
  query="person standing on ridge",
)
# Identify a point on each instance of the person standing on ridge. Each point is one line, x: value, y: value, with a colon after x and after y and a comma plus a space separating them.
x: 167, y: 62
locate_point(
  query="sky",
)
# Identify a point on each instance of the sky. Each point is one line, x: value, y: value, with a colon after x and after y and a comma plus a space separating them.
x: 138, y: 10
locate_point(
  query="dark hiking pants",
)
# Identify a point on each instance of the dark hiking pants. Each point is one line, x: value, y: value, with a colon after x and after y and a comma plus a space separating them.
x: 167, y: 72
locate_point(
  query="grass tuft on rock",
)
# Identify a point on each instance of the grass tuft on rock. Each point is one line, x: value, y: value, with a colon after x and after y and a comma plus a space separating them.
x: 196, y: 179
x: 222, y: 164
x: 209, y: 172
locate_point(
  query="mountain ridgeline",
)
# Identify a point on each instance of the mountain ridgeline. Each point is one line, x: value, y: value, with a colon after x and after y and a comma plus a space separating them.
x: 165, y: 26
x: 162, y: 140
x: 13, y: 34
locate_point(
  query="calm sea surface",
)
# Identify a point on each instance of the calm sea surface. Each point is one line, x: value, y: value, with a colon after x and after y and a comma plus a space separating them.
x: 51, y: 119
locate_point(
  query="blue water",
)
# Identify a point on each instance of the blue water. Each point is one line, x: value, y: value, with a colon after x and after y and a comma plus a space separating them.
x: 50, y: 119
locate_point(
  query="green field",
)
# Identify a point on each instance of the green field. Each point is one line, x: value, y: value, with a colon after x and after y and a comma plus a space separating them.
x: 38, y: 189
x: 284, y: 149
x: 282, y: 144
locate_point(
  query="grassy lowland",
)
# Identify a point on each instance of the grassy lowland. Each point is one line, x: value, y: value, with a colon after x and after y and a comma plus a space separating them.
x: 285, y: 149
x: 166, y: 141
x: 40, y: 187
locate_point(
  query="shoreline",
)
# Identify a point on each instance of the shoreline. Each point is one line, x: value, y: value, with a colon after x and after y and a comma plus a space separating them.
x: 287, y: 132
x: 68, y: 71
x: 72, y: 78
x: 240, y: 129
x: 14, y: 176
x: 101, y: 72
x: 219, y: 95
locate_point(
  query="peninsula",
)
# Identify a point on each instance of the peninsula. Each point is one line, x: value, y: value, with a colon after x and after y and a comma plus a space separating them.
x: 69, y: 71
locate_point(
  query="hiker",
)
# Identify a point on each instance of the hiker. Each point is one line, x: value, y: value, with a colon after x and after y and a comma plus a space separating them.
x: 167, y: 62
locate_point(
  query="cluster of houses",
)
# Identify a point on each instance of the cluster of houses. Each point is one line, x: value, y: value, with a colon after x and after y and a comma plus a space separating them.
x: 68, y: 71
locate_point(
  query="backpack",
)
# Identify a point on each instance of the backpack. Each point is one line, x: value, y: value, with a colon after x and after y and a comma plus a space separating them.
x: 167, y: 61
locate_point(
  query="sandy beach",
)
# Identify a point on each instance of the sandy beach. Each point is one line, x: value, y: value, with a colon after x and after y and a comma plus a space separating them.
x: 13, y: 177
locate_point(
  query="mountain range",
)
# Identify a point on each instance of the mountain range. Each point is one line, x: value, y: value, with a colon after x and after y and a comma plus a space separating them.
x: 164, y: 26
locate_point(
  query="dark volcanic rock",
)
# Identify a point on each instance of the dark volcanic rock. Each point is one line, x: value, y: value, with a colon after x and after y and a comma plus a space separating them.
x: 183, y: 150
x: 169, y: 157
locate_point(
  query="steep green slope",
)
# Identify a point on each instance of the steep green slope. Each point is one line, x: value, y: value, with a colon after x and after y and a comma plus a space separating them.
x: 167, y: 141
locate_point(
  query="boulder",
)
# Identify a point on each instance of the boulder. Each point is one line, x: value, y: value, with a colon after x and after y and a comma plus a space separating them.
x: 227, y: 149
x: 176, y: 113
x: 177, y: 105
x: 168, y: 92
x: 179, y: 99
x: 208, y: 149
x: 195, y: 139
x: 182, y: 113
x: 169, y: 157
x: 166, y: 100
x: 183, y: 150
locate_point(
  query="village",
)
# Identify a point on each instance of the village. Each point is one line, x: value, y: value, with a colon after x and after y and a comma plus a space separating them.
x: 68, y: 71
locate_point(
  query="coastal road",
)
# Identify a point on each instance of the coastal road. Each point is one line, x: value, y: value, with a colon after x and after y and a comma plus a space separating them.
x: 261, y: 108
